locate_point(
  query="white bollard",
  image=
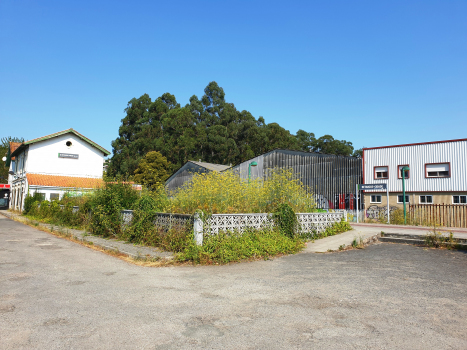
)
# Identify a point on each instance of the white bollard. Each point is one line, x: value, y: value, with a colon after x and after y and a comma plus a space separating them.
x: 198, y: 229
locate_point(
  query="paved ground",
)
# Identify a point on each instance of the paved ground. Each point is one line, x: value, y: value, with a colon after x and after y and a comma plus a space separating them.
x: 129, y: 249
x: 366, y: 232
x: 55, y: 294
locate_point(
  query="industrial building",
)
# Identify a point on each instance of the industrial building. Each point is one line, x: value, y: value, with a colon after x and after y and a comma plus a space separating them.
x: 186, y: 172
x: 331, y: 179
x: 437, y: 173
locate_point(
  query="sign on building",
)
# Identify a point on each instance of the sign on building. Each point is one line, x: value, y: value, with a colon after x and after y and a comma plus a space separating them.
x: 68, y: 155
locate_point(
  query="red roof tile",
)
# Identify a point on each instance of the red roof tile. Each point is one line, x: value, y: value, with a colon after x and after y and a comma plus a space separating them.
x: 63, y: 181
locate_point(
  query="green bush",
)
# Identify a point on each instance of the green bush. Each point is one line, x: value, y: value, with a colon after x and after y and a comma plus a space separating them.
x: 285, y: 219
x: 106, y: 204
x: 29, y: 202
x: 338, y: 227
x: 224, y: 247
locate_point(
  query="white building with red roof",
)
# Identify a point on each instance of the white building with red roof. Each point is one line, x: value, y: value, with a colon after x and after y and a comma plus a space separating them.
x: 53, y: 165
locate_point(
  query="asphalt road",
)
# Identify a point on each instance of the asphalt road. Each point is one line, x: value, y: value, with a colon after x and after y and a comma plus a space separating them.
x: 55, y: 294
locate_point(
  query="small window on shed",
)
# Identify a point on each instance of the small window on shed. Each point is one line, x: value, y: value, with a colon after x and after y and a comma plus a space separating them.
x: 400, y: 199
x: 381, y: 172
x: 406, y: 172
x: 54, y: 196
x: 459, y: 199
x: 426, y: 199
x: 69, y: 143
x: 375, y: 198
x: 437, y: 170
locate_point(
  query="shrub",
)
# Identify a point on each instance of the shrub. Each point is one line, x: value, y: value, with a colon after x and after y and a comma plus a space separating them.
x: 106, y: 204
x: 226, y: 193
x: 29, y: 202
x: 285, y: 219
x: 228, y: 247
x: 338, y: 227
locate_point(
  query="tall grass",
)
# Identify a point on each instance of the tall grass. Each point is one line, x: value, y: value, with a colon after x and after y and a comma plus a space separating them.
x: 226, y: 192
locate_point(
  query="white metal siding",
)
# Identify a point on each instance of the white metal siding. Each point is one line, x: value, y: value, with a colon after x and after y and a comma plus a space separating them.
x: 416, y: 156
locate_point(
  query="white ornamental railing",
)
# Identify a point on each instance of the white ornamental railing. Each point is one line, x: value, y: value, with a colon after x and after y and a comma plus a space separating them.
x: 216, y: 223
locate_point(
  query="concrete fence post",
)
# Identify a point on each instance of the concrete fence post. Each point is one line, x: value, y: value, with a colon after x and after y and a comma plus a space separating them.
x: 345, y: 215
x: 198, y: 229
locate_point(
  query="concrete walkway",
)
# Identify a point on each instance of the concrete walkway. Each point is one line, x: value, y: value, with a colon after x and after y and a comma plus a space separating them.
x: 132, y: 250
x: 368, y: 232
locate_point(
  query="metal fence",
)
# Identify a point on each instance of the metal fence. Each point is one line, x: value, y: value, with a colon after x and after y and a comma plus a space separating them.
x: 446, y: 215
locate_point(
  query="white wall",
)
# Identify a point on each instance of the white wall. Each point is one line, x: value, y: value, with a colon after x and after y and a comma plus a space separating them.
x: 416, y: 156
x: 43, y: 158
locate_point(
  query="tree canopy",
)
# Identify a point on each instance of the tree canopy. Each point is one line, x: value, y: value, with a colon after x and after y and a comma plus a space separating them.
x: 4, y: 147
x: 152, y: 170
x: 210, y: 129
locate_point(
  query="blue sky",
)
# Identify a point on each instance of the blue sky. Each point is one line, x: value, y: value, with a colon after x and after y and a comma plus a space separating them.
x: 371, y: 72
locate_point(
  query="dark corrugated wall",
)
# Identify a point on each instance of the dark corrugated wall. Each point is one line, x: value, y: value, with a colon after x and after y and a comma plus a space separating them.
x: 185, y: 174
x: 326, y: 176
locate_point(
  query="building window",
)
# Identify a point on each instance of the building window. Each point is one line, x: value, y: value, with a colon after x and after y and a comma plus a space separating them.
x: 54, y: 196
x: 375, y: 198
x: 381, y: 172
x: 42, y: 196
x: 400, y: 199
x: 438, y: 170
x: 426, y: 199
x: 459, y: 199
x: 69, y: 143
x: 399, y: 171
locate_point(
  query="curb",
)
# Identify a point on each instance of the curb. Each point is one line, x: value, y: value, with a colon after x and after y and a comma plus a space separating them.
x: 81, y: 236
x: 418, y: 240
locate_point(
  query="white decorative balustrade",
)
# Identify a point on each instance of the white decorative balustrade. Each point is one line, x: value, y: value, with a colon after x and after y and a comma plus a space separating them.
x: 318, y: 222
x: 236, y: 222
x: 216, y: 223
x: 307, y: 222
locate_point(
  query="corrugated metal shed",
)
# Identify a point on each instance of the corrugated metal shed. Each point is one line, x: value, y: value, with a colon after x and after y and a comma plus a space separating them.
x: 185, y: 173
x: 326, y: 176
x: 417, y: 156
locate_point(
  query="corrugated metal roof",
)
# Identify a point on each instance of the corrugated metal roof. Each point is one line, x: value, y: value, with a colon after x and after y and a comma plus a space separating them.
x: 211, y: 166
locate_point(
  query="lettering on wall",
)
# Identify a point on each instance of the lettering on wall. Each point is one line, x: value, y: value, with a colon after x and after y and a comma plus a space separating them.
x: 68, y: 155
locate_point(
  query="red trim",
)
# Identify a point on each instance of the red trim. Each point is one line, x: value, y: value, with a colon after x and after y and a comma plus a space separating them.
x: 4, y: 186
x: 415, y: 144
x: 421, y: 192
x: 399, y: 173
x: 438, y: 177
x: 380, y: 178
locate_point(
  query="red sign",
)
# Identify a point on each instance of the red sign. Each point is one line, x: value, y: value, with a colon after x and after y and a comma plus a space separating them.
x: 4, y: 186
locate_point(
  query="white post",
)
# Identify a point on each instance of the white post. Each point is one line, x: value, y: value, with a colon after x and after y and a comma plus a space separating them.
x: 356, y: 191
x: 345, y: 215
x: 387, y: 197
x: 198, y: 229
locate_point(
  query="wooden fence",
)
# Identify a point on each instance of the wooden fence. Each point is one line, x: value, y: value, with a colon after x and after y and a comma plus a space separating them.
x: 446, y: 215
